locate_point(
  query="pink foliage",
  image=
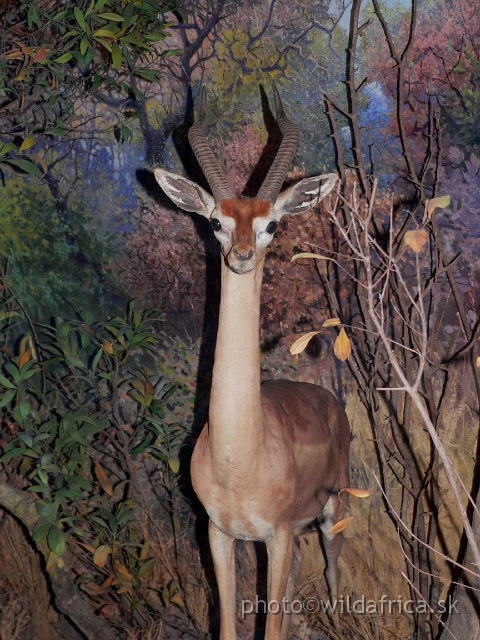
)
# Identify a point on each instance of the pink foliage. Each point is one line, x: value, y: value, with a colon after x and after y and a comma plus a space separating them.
x: 163, y: 263
x: 442, y: 62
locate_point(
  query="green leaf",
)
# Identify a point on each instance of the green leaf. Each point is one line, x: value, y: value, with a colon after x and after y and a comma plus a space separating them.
x: 81, y: 23
x: 9, y: 314
x: 18, y: 452
x: 7, y: 148
x: 6, y: 383
x: 64, y: 58
x: 40, y: 530
x: 73, y: 361
x: 173, y: 52
x: 96, y: 359
x: 174, y: 464
x: 116, y: 56
x: 83, y: 46
x: 103, y: 33
x: 24, y: 409
x: 56, y: 541
x: 140, y: 448
x: 100, y: 4
x: 114, y: 17
x: 8, y: 397
x: 146, y: 566
x: 152, y: 75
x: 26, y: 438
x: 24, y: 165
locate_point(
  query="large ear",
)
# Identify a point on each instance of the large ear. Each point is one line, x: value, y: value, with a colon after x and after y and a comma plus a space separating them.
x: 304, y: 195
x: 184, y: 193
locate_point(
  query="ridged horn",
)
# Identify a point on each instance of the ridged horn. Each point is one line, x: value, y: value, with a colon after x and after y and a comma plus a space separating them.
x: 216, y: 178
x: 273, y: 182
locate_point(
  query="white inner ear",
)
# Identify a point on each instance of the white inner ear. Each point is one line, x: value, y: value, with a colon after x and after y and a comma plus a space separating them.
x: 304, y: 195
x: 186, y: 194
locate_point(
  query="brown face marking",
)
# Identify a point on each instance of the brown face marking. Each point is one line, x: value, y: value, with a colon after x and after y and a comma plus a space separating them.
x: 244, y: 211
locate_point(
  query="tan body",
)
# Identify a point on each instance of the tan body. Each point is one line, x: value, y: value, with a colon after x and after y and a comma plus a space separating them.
x: 272, y: 458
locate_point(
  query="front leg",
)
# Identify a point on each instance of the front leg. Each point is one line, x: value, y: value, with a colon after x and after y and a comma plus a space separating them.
x: 279, y: 549
x: 222, y: 548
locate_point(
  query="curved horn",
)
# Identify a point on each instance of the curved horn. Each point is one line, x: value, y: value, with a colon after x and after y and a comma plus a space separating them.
x: 273, y: 182
x: 211, y: 168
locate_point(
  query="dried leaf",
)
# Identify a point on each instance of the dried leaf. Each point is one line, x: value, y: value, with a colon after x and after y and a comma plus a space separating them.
x: 416, y: 240
x: 359, y: 493
x: 101, y: 554
x: 103, y: 480
x: 333, y: 322
x: 301, y: 343
x: 99, y: 471
x: 342, y: 347
x: 109, y: 611
x: 24, y: 358
x: 434, y: 203
x: 122, y: 570
x: 340, y: 526
x: 40, y: 55
x: 86, y: 546
x: 177, y: 599
x: 309, y: 255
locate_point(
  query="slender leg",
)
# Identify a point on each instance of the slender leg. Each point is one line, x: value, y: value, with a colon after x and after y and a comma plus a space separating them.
x: 291, y: 591
x: 332, y: 544
x: 222, y: 547
x: 279, y: 549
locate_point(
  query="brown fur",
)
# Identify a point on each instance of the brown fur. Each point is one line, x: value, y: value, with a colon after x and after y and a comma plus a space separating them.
x: 244, y: 211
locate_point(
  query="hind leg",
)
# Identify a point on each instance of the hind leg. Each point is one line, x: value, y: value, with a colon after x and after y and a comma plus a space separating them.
x: 333, y: 512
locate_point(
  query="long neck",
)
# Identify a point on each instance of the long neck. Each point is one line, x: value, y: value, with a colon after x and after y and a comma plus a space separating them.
x: 235, y: 419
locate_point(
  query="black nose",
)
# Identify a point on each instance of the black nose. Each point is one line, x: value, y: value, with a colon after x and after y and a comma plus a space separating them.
x: 242, y: 256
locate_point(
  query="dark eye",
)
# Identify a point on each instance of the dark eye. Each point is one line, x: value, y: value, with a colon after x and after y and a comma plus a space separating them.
x: 216, y: 226
x: 272, y: 227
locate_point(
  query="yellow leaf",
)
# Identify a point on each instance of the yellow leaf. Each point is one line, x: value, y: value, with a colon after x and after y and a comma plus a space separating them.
x: 416, y: 240
x: 434, y: 203
x: 177, y: 599
x: 174, y: 464
x: 101, y: 554
x: 309, y: 255
x: 342, y: 347
x: 123, y: 571
x: 359, y: 493
x: 340, y: 526
x: 23, y: 74
x: 108, y: 347
x: 333, y: 322
x: 301, y: 343
x: 478, y: 362
x: 27, y: 143
x: 52, y: 560
x: 144, y: 551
